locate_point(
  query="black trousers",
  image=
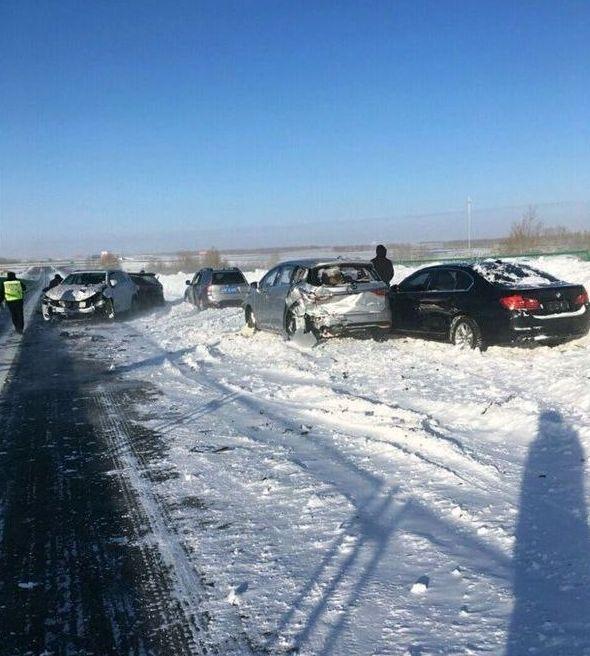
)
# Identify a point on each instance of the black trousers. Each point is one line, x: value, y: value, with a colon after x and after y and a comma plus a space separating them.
x: 16, y: 312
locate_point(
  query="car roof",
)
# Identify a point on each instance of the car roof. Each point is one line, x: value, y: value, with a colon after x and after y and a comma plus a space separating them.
x: 467, y: 266
x: 221, y: 269
x: 77, y: 271
x: 310, y: 263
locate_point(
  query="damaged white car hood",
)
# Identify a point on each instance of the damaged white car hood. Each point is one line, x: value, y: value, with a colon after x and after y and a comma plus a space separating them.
x: 74, y: 292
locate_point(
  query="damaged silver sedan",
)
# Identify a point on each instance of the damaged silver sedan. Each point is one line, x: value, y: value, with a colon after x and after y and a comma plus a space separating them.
x: 326, y: 298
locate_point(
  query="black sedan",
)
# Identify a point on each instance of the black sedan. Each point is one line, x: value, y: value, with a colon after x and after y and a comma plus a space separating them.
x: 150, y: 292
x: 490, y: 302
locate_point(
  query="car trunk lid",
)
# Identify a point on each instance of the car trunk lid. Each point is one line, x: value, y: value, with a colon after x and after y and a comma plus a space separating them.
x: 544, y: 301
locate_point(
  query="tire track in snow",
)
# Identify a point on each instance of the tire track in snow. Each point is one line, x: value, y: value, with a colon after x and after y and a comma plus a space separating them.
x: 185, y: 580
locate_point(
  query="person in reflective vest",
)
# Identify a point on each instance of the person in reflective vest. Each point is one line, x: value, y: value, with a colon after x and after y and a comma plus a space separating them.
x: 12, y: 292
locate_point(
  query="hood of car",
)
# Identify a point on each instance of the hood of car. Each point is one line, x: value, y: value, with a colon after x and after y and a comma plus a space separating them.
x: 74, y: 292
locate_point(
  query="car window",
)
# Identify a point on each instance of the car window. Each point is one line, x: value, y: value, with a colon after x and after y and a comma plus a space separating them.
x: 285, y: 275
x: 196, y: 278
x: 300, y: 274
x: 269, y: 278
x: 513, y: 274
x: 442, y: 280
x: 228, y: 278
x: 417, y: 283
x: 339, y: 275
x: 91, y: 278
x: 464, y: 281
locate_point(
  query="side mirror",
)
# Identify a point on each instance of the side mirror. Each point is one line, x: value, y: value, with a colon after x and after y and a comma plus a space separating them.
x: 113, y: 283
x: 188, y: 282
x: 254, y: 285
x: 394, y: 288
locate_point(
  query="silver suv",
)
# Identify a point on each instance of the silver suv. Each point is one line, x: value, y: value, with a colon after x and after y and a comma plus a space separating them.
x: 325, y: 297
x: 217, y: 288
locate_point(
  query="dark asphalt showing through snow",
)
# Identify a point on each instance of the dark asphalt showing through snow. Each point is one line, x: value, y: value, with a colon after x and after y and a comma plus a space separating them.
x: 78, y: 571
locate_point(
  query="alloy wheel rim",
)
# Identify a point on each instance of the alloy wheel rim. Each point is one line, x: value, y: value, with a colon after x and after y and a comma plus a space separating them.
x: 464, y: 335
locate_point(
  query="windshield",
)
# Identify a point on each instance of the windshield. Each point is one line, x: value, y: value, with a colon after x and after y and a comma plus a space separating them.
x: 88, y: 278
x: 509, y: 274
x: 340, y: 275
x: 228, y: 278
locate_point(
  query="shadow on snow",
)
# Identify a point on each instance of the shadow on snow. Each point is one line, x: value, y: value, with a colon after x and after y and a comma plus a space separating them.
x: 551, y: 612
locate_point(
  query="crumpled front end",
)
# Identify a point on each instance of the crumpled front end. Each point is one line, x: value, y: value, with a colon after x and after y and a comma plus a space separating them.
x: 74, y: 303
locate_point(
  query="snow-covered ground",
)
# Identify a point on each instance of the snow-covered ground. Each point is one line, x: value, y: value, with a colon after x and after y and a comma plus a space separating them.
x: 370, y: 498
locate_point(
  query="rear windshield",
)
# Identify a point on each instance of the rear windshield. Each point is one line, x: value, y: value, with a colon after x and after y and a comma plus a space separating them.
x: 228, y: 278
x: 143, y: 279
x: 340, y: 275
x: 93, y: 278
x: 509, y: 274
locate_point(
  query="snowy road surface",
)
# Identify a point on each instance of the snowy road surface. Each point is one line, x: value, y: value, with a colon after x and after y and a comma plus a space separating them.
x: 358, y: 498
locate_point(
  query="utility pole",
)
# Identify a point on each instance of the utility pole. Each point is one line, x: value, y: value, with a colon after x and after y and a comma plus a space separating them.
x: 469, y: 224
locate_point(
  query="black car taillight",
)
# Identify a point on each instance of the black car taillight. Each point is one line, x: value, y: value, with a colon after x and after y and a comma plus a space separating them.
x: 518, y: 302
x: 582, y: 298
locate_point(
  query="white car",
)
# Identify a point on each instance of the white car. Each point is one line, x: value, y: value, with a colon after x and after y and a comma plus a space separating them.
x: 85, y: 293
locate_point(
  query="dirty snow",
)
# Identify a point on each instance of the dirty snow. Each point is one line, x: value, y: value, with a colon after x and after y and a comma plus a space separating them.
x: 373, y: 498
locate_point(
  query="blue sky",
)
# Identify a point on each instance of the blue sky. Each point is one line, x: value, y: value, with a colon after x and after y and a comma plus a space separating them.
x: 149, y: 124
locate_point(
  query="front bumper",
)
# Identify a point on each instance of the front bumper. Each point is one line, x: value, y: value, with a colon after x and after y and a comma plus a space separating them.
x: 71, y: 311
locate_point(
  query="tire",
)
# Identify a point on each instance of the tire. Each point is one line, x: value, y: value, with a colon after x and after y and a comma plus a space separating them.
x: 465, y: 333
x: 250, y: 318
x: 380, y: 334
x: 290, y: 324
x: 109, y: 309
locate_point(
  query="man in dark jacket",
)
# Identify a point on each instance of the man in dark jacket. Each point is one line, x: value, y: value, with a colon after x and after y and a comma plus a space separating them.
x: 12, y: 292
x: 383, y: 266
x: 54, y: 282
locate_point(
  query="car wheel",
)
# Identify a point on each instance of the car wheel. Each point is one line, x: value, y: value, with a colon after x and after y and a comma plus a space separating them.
x: 109, y: 309
x: 290, y: 324
x: 465, y: 333
x: 250, y: 318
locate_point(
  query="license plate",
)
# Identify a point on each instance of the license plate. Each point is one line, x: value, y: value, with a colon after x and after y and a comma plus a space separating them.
x: 553, y: 307
x: 230, y: 289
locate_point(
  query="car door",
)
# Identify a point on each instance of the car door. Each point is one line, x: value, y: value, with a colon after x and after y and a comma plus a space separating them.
x: 436, y: 304
x: 202, y: 286
x: 192, y: 288
x: 122, y: 291
x: 277, y: 296
x: 406, y: 302
x: 260, y: 299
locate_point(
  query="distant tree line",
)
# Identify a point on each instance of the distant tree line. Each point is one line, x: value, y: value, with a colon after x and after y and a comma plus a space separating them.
x: 186, y: 262
x: 530, y: 235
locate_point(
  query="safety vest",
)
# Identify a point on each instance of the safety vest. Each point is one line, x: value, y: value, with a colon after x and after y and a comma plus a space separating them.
x: 13, y: 290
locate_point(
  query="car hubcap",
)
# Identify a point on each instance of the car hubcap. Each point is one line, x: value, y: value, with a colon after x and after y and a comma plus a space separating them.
x: 464, y: 336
